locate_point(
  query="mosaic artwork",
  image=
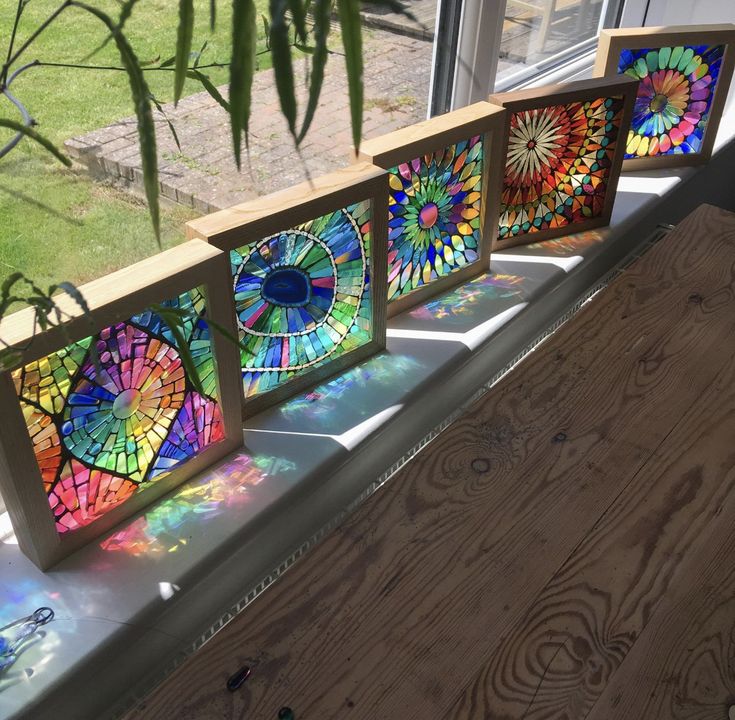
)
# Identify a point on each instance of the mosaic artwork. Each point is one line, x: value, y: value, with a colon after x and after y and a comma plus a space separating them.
x: 674, y: 100
x: 434, y: 221
x: 558, y: 165
x: 114, y: 412
x: 303, y: 297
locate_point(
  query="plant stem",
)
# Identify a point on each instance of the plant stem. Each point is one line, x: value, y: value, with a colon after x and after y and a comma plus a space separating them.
x: 27, y: 43
x: 18, y: 13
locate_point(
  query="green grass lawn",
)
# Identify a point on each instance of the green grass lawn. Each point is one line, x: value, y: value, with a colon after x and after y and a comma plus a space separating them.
x: 57, y: 224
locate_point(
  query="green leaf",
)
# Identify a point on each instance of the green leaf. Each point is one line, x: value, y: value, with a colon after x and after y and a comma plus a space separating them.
x: 9, y: 358
x: 175, y: 323
x: 40, y: 139
x: 298, y: 13
x: 212, y: 14
x: 242, y: 69
x: 141, y: 100
x: 171, y: 127
x: 280, y: 47
x: 183, y: 45
x: 198, y: 56
x: 209, y: 87
x: 169, y: 62
x: 349, y: 19
x: 321, y: 14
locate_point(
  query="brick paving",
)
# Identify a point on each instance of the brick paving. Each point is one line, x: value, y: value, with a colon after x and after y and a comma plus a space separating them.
x: 203, y: 175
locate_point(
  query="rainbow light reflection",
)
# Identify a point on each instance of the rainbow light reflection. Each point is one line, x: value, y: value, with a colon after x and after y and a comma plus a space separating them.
x: 569, y: 244
x: 159, y: 529
x: 461, y: 301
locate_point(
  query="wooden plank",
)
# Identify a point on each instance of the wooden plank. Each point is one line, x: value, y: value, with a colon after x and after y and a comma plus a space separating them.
x: 682, y: 666
x: 250, y: 221
x: 392, y: 613
x: 558, y: 660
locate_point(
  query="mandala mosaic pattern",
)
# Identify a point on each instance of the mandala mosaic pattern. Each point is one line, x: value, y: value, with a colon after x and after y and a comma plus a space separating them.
x: 116, y: 411
x: 303, y: 297
x: 434, y: 222
x: 558, y: 165
x: 674, y: 99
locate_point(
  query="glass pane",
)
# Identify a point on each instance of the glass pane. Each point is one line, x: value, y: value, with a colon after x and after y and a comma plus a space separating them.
x: 539, y: 32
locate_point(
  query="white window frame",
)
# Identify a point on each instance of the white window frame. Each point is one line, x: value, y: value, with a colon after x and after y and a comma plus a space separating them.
x: 477, y: 55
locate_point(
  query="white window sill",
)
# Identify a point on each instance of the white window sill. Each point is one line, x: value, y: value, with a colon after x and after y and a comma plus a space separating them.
x: 127, y: 607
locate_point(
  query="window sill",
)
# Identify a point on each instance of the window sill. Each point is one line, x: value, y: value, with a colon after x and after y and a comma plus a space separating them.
x: 128, y: 607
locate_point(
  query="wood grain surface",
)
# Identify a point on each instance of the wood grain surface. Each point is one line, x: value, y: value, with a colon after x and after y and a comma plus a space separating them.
x: 508, y: 570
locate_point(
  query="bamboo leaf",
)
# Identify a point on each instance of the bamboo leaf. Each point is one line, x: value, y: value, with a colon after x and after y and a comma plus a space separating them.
x: 175, y: 324
x: 280, y: 47
x: 183, y: 45
x: 143, y: 112
x: 169, y: 62
x: 349, y: 18
x: 298, y: 13
x: 242, y: 69
x: 171, y: 127
x: 198, y: 56
x: 37, y: 137
x: 212, y: 14
x: 321, y: 13
x: 210, y: 88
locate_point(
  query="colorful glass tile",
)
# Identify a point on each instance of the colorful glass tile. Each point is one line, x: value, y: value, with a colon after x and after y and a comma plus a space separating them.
x: 303, y: 296
x: 434, y: 220
x: 558, y: 165
x: 674, y: 99
x: 105, y: 423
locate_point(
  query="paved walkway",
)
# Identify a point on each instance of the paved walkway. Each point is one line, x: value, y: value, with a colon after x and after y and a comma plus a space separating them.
x: 203, y: 175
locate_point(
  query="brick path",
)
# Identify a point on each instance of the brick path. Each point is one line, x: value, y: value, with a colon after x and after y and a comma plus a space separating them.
x: 203, y: 174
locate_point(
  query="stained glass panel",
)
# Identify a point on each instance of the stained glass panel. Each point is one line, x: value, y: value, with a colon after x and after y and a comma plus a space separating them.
x: 558, y: 165
x: 675, y: 94
x: 303, y: 297
x: 434, y: 216
x: 104, y: 424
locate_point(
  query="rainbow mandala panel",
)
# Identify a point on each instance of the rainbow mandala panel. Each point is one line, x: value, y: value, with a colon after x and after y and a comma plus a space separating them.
x: 118, y: 410
x: 674, y: 100
x: 434, y: 216
x: 558, y: 165
x: 303, y: 297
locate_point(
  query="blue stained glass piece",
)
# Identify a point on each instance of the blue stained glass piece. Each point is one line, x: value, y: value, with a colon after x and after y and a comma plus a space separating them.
x: 287, y: 287
x: 4, y: 645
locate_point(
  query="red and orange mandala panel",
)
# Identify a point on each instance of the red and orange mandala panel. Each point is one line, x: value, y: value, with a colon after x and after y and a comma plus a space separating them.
x: 558, y: 165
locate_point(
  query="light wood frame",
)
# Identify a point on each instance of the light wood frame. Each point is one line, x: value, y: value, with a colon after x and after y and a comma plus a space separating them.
x: 388, y: 151
x: 252, y: 221
x: 580, y: 91
x: 613, y: 42
x: 111, y: 299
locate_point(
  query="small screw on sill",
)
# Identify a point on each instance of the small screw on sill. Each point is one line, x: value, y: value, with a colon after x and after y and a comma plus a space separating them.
x: 238, y: 679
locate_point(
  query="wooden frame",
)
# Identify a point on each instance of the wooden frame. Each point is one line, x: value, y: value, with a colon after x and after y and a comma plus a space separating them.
x: 112, y: 299
x: 428, y: 137
x: 613, y: 42
x: 251, y: 222
x: 580, y: 91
